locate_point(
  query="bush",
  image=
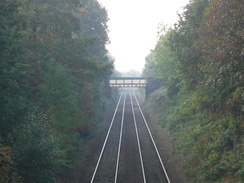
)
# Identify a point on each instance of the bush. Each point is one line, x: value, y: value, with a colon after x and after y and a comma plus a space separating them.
x: 36, y: 145
x: 8, y: 170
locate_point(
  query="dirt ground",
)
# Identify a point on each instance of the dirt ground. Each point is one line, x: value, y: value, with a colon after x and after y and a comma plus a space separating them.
x: 129, y: 171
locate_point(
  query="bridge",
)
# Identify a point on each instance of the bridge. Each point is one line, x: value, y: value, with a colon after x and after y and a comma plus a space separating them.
x: 124, y: 82
x: 150, y: 84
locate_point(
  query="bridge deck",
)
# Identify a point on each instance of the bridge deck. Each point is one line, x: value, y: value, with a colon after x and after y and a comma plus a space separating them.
x: 128, y: 82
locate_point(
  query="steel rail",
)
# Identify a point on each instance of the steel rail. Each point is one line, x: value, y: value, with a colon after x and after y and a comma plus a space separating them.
x: 106, y: 139
x: 120, y: 140
x: 138, y: 140
x: 155, y: 147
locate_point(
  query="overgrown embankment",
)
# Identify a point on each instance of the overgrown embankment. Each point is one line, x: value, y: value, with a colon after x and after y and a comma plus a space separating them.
x: 201, y: 102
x: 210, y: 144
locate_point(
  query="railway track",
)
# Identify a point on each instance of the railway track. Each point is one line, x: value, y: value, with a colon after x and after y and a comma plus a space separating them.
x: 129, y: 153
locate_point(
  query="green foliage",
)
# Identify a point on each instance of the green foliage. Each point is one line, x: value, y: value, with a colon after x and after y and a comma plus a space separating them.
x: 60, y: 97
x: 149, y: 68
x: 36, y: 145
x: 53, y: 61
x: 202, y: 57
x: 164, y: 61
x: 182, y: 41
x: 224, y: 71
x: 162, y: 64
x: 12, y: 95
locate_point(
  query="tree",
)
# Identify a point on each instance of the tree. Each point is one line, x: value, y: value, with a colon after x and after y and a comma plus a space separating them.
x: 162, y: 64
x: 36, y: 145
x: 207, y: 114
x: 164, y: 61
x: 182, y: 41
x: 52, y: 58
x: 221, y: 44
x: 13, y: 99
x: 149, y: 67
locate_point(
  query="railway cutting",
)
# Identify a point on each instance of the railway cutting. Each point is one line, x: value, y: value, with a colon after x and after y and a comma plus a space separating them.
x: 129, y: 151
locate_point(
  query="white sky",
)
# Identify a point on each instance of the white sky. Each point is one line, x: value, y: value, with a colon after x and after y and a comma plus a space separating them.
x: 133, y: 28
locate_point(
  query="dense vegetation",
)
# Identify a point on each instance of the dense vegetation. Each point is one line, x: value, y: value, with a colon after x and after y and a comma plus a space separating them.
x: 53, y: 62
x: 201, y: 60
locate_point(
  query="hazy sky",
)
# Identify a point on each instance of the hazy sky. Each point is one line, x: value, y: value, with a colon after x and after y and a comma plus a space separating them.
x: 133, y: 28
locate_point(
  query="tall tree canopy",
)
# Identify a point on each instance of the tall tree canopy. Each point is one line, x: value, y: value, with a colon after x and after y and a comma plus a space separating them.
x: 53, y: 61
x: 183, y: 39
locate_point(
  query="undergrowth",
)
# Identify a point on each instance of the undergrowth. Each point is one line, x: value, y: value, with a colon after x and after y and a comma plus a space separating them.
x: 211, y: 142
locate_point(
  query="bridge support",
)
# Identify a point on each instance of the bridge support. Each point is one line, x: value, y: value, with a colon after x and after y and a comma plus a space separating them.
x: 152, y: 85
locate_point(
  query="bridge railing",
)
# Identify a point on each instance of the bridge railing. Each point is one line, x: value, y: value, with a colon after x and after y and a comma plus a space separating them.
x: 128, y: 82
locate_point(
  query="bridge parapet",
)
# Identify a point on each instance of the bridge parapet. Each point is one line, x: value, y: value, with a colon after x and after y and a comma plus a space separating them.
x: 150, y: 84
x: 124, y: 82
